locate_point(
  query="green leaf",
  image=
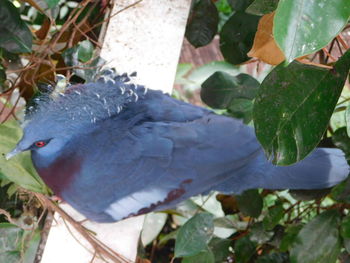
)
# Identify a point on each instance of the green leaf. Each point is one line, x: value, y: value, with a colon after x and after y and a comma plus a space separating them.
x: 194, y: 235
x: 202, y: 24
x: 345, y: 227
x: 224, y: 91
x: 289, y: 237
x: 290, y: 117
x: 202, y: 257
x: 32, y: 246
x: 241, y: 109
x: 85, y: 51
x: 239, y: 5
x: 182, y: 70
x: 341, y: 139
x: 52, y: 3
x: 2, y: 76
x: 200, y: 74
x: 250, y: 203
x: 262, y: 7
x: 318, y: 241
x: 273, y: 217
x: 310, y: 194
x: 15, y: 36
x: 19, y: 169
x: 86, y: 71
x: 153, y: 224
x: 221, y: 89
x: 273, y: 258
x: 347, y: 119
x: 10, y: 236
x: 258, y: 234
x: 302, y: 27
x: 341, y: 192
x: 237, y: 36
x: 244, y: 249
x: 220, y: 248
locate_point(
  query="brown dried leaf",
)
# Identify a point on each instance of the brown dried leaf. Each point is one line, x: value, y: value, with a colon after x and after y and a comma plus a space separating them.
x: 265, y: 47
x: 44, y: 30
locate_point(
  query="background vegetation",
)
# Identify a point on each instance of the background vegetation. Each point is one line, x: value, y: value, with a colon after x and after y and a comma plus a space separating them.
x: 286, y: 66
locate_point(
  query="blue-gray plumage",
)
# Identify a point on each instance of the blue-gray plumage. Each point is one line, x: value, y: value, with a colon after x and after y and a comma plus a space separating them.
x: 112, y: 150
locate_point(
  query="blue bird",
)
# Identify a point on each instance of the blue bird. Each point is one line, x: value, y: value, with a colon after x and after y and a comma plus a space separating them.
x: 113, y: 149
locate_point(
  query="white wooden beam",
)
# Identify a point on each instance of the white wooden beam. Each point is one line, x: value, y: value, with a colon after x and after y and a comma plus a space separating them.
x: 146, y: 38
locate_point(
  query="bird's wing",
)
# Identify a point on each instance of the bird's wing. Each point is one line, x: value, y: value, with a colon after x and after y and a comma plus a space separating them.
x: 158, y: 164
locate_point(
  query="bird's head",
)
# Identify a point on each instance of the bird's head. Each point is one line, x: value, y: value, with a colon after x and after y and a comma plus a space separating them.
x: 55, y: 121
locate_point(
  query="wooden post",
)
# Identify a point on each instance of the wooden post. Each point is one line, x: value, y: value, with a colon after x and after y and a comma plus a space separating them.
x: 145, y: 37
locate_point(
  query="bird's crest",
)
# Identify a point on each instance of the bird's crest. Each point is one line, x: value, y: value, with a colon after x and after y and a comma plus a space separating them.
x: 90, y: 102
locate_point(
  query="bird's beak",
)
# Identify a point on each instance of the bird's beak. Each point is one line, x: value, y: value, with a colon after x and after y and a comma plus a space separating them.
x: 14, y: 152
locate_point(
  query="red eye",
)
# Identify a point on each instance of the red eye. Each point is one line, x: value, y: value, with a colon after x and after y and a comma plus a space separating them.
x: 40, y: 144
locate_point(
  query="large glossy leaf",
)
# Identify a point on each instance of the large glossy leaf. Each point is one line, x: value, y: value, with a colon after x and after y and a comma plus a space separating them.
x: 237, y: 36
x: 15, y: 36
x: 194, y: 235
x: 293, y: 108
x: 318, y: 241
x: 19, y: 169
x: 250, y: 203
x: 302, y: 27
x: 262, y: 7
x: 202, y: 24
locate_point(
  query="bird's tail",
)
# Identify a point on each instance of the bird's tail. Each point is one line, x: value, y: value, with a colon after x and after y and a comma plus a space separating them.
x: 323, y: 168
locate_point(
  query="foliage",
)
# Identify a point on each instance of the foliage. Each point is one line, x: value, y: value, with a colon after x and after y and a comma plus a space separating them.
x: 294, y: 107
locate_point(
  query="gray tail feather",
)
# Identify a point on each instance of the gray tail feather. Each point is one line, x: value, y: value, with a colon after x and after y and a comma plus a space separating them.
x: 323, y: 168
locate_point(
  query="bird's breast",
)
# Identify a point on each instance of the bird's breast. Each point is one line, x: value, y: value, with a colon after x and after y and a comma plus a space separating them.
x: 59, y: 174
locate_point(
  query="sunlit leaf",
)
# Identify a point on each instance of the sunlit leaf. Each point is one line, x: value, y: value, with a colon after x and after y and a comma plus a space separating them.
x: 153, y: 224
x: 19, y: 169
x: 85, y: 51
x: 302, y: 27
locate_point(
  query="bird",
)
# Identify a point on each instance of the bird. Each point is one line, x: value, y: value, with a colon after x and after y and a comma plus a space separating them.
x: 114, y: 149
